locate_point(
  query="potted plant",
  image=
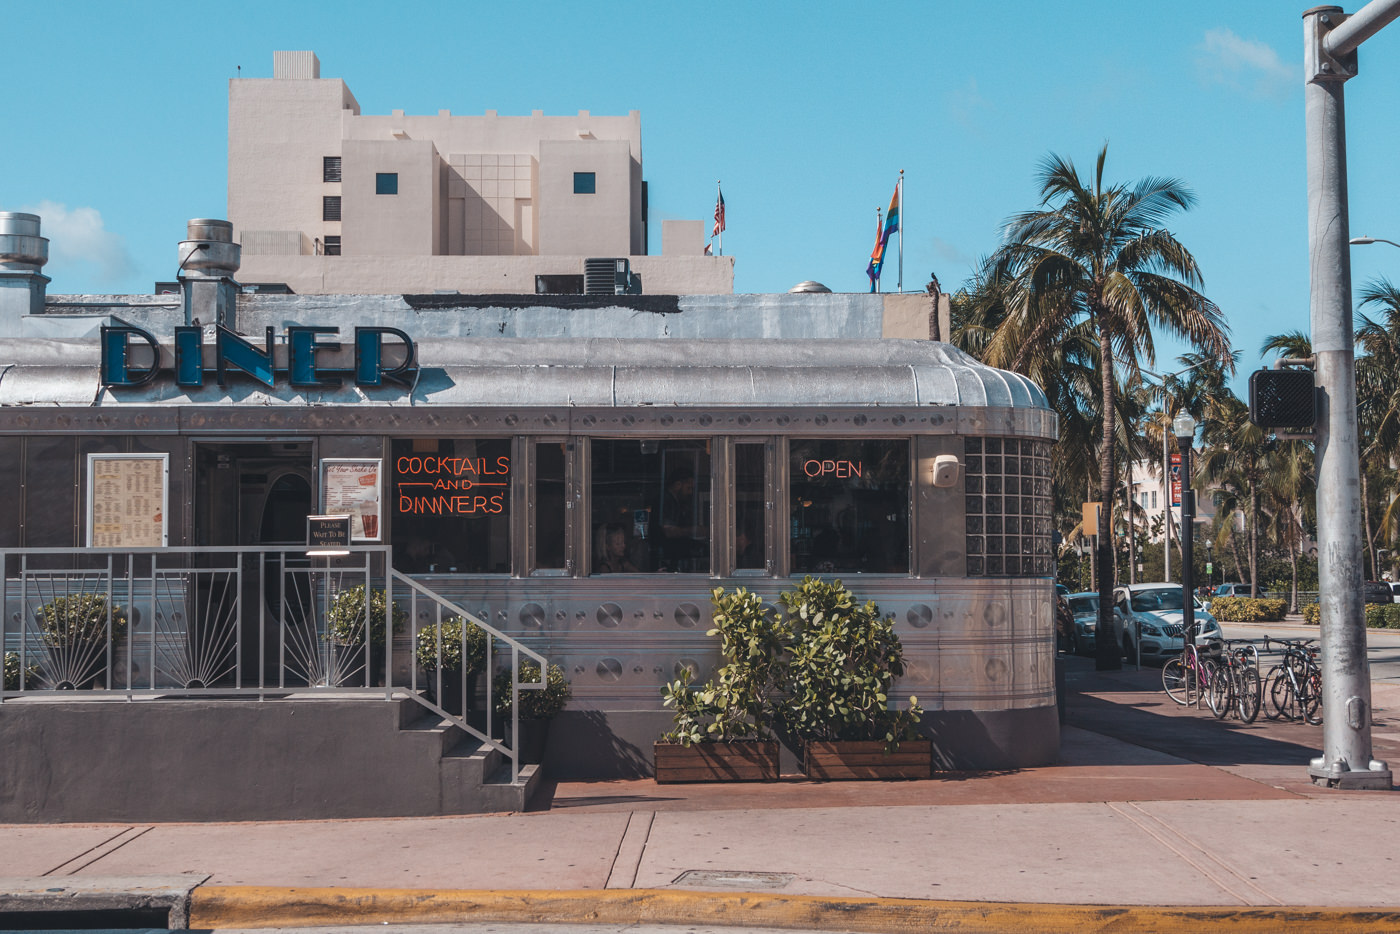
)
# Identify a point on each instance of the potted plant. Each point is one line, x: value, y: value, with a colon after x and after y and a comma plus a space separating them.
x: 73, y: 629
x: 537, y: 707
x: 723, y: 728
x: 463, y: 653
x: 12, y: 668
x: 842, y: 660
x: 346, y: 632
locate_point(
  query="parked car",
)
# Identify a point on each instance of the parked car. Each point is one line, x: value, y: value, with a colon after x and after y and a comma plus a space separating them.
x: 1154, y: 611
x: 1378, y: 592
x: 1395, y: 589
x: 1085, y: 607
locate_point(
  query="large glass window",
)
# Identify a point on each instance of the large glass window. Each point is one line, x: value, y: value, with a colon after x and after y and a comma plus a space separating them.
x: 1008, y: 507
x: 451, y: 505
x: 750, y: 512
x: 651, y: 506
x: 850, y: 506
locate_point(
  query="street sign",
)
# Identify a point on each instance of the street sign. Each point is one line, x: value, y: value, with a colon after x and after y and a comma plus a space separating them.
x: 1091, y: 519
x: 1210, y: 568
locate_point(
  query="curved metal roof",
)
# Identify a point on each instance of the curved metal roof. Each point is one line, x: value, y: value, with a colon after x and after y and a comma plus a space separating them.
x: 562, y: 372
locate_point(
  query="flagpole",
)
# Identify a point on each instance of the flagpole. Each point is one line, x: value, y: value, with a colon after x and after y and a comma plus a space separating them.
x: 901, y: 230
x: 879, y: 232
x: 719, y: 199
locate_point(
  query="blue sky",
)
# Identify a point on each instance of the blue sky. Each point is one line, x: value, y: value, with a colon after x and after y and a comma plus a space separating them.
x: 115, y: 124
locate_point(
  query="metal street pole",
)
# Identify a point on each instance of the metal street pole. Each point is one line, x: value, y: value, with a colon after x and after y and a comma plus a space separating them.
x: 1166, y: 502
x: 1185, y: 427
x: 1330, y: 39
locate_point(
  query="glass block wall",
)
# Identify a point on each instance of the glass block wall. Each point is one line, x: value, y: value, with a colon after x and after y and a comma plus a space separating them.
x: 1008, y: 507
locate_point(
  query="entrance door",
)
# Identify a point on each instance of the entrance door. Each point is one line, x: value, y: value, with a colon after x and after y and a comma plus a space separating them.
x: 255, y: 494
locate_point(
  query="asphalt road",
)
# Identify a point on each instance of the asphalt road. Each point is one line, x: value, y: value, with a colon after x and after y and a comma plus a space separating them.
x: 1382, y: 645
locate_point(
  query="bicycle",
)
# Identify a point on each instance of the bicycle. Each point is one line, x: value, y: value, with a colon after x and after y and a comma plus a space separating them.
x: 1295, y: 684
x: 1187, y: 675
x: 1235, y: 685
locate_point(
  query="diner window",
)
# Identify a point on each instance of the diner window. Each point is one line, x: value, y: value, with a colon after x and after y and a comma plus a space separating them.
x: 1007, y: 483
x: 850, y: 506
x: 451, y: 505
x: 750, y: 507
x: 651, y: 506
x: 549, y: 505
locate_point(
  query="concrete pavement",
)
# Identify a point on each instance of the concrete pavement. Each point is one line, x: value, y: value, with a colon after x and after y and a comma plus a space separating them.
x: 1150, y: 805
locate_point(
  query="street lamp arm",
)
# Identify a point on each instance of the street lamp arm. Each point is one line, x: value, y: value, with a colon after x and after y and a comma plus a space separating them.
x: 1364, y: 241
x: 1361, y: 25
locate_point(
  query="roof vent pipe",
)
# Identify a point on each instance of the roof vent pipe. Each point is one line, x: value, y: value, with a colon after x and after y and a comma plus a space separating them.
x: 208, y: 261
x: 23, y: 253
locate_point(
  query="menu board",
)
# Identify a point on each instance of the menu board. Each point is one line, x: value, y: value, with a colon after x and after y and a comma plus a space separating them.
x: 351, y: 487
x: 127, y: 500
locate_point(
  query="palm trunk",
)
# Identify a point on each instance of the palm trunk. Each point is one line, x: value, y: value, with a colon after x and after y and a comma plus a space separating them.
x: 1252, y: 539
x: 1293, y: 561
x: 1106, y: 647
x: 1370, y: 538
x: 1235, y: 550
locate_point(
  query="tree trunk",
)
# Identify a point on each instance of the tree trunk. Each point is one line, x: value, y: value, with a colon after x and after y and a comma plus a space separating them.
x: 1107, y: 651
x: 1235, y: 549
x: 1370, y: 539
x: 1252, y: 539
x: 1293, y: 561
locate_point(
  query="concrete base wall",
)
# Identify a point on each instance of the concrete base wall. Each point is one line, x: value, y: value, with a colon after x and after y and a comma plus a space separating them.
x: 594, y: 744
x: 210, y: 760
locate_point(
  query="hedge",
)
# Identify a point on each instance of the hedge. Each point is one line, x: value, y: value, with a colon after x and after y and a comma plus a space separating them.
x: 1378, y: 615
x: 1248, y: 609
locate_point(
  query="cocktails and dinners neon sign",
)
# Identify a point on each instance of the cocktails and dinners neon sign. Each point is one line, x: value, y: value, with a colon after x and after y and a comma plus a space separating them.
x: 438, y: 485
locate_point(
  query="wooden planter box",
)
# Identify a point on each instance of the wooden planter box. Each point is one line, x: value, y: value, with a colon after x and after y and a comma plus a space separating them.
x: 868, y: 760
x: 716, y: 762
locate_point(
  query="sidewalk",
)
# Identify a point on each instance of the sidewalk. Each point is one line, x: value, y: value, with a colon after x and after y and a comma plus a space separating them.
x: 1150, y: 805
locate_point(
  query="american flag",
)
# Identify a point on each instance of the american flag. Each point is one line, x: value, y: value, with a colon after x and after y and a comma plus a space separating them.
x: 719, y: 215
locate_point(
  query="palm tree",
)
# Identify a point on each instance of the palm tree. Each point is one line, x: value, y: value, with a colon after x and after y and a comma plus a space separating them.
x: 1378, y: 403
x: 1097, y: 255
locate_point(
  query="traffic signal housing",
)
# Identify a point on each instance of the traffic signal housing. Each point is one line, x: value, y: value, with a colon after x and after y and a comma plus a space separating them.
x: 1282, y: 398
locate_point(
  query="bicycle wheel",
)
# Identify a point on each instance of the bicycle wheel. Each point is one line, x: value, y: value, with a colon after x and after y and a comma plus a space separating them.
x: 1310, y: 704
x: 1219, y: 691
x: 1206, y: 672
x: 1249, y: 701
x: 1282, y: 697
x: 1174, y: 680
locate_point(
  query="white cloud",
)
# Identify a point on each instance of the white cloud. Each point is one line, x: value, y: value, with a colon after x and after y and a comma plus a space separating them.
x: 968, y: 107
x: 1244, y: 64
x: 79, y: 240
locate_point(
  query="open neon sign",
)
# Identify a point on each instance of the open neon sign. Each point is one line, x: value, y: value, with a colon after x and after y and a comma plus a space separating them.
x: 842, y: 469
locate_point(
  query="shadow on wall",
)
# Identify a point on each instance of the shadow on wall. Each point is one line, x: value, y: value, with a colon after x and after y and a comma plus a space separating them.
x: 978, y: 740
x: 586, y: 744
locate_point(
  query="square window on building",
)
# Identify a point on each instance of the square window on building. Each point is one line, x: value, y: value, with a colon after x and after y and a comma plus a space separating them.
x: 332, y: 246
x: 386, y: 183
x: 1154, y: 499
x: 585, y: 183
x: 330, y: 208
x: 330, y: 169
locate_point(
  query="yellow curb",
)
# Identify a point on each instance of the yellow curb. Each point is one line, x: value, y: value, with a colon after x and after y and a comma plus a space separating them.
x: 239, y: 906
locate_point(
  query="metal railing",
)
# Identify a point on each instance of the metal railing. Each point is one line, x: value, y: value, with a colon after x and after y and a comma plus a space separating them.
x: 251, y: 621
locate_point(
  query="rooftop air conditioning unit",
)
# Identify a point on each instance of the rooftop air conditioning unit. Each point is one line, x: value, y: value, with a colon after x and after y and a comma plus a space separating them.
x: 609, y: 277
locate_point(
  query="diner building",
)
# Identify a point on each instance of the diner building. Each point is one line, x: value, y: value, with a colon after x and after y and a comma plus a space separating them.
x: 579, y: 472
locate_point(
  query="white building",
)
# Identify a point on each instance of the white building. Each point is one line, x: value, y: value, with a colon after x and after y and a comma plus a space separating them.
x: 329, y: 200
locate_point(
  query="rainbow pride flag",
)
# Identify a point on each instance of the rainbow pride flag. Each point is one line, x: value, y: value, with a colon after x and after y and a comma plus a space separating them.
x: 882, y: 237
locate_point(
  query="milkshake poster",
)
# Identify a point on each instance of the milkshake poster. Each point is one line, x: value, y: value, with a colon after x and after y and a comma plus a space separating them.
x: 351, y: 487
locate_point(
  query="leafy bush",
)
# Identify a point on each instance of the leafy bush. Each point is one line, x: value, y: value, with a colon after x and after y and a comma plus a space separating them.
x: 1247, y: 609
x: 843, y: 659
x: 345, y: 621
x: 1392, y: 616
x: 534, y: 705
x: 78, y: 619
x: 452, y: 643
x: 1312, y: 613
x: 738, y: 703
x: 11, y: 680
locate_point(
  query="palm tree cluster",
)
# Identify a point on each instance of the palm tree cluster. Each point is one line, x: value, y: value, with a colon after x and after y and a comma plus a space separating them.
x: 1071, y: 298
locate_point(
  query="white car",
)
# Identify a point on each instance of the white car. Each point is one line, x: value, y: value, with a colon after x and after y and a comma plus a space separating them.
x: 1151, y: 614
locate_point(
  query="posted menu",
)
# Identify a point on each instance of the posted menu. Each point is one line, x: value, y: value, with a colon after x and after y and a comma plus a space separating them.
x: 351, y: 488
x: 127, y: 501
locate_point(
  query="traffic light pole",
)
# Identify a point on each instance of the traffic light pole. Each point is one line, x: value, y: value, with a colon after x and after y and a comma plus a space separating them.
x: 1330, y: 42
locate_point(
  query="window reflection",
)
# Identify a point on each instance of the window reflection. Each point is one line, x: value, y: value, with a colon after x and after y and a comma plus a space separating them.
x: 651, y: 506
x: 750, y: 494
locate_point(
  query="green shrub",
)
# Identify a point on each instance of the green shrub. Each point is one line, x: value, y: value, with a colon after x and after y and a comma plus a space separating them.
x: 78, y: 619
x: 843, y: 659
x: 1247, y: 609
x: 452, y: 643
x: 1312, y: 613
x: 11, y: 680
x: 534, y: 705
x: 345, y: 621
x: 1391, y: 616
x: 739, y: 702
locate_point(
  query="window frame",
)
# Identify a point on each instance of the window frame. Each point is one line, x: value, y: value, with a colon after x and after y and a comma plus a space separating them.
x: 590, y: 180
x: 331, y: 170
x: 330, y: 208
x: 383, y: 181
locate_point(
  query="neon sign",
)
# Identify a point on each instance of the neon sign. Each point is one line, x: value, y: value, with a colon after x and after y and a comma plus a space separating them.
x: 842, y: 469
x: 437, y: 485
x: 233, y: 352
